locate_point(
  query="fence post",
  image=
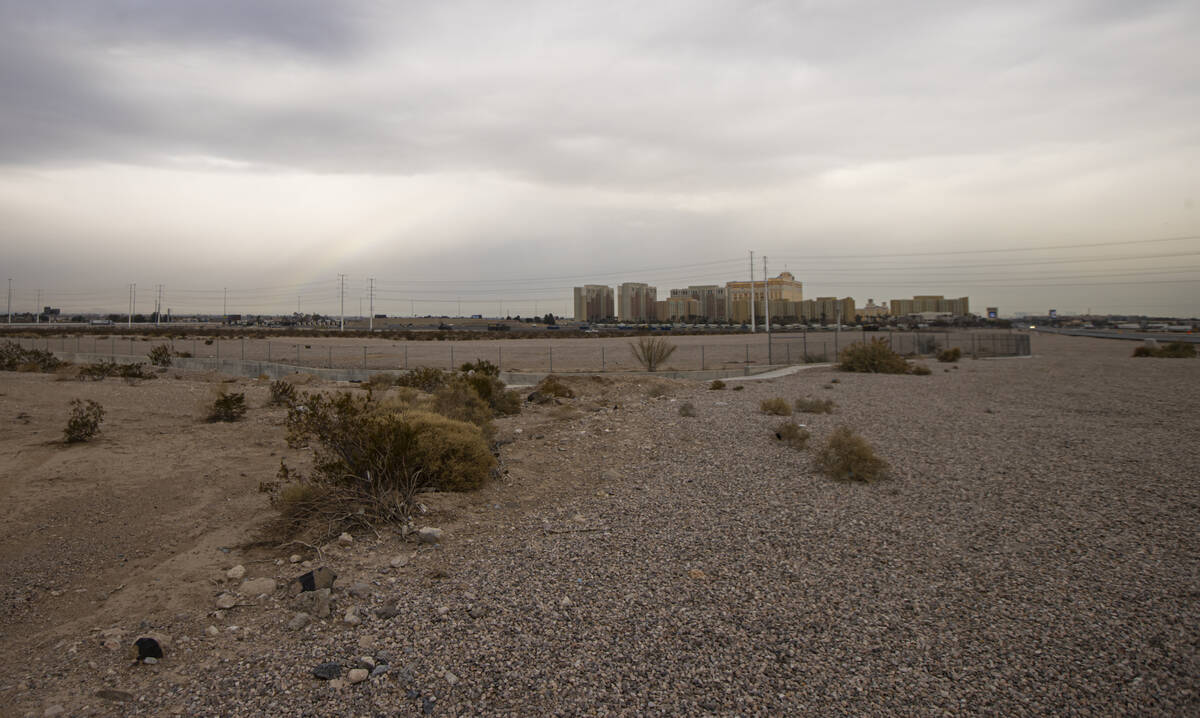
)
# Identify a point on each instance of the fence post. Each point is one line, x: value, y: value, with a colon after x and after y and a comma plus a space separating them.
x: 406, y: 357
x: 364, y: 357
x: 112, y: 348
x: 243, y: 348
x: 836, y: 349
x: 217, y: 344
x: 195, y: 351
x: 452, y: 357
x: 746, y: 366
x: 297, y: 355
x: 330, y: 360
x: 268, y: 351
x: 789, y: 352
x: 602, y: 367
x: 806, y: 345
x: 701, y: 357
x: 551, y: 358
x: 499, y: 356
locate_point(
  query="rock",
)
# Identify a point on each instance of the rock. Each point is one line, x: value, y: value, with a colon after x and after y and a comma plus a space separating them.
x: 450, y: 677
x: 389, y: 611
x: 150, y: 660
x: 299, y: 621
x: 328, y: 671
x: 351, y: 618
x: 366, y: 662
x: 226, y: 600
x: 294, y: 558
x: 358, y: 675
x: 477, y: 611
x: 427, y: 705
x: 360, y: 590
x: 429, y: 534
x: 147, y: 647
x: 315, y: 580
x: 379, y: 670
x: 398, y: 561
x: 111, y: 694
x: 345, y: 539
x: 697, y: 573
x: 314, y: 603
x: 337, y: 684
x: 54, y: 710
x: 111, y: 644
x: 213, y: 631
x: 236, y: 572
x: 258, y: 586
x: 443, y: 610
x: 566, y: 602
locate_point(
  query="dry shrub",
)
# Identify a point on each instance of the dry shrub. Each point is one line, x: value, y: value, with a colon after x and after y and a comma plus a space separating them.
x: 160, y: 355
x: 84, y: 421
x: 815, y: 406
x: 920, y: 370
x: 739, y: 387
x: 425, y: 378
x: 776, y: 406
x: 566, y: 412
x: 452, y: 455
x: 14, y: 357
x: 1172, y: 350
x: 458, y: 400
x: 716, y: 385
x: 687, y: 409
x: 379, y: 382
x: 875, y: 356
x: 228, y: 406
x: 487, y: 384
x: 103, y: 369
x: 67, y: 372
x: 554, y: 386
x: 792, y: 434
x: 949, y: 356
x: 283, y: 393
x: 848, y: 457
x: 650, y: 352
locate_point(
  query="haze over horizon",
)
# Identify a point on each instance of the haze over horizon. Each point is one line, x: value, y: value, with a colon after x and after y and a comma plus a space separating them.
x: 1029, y: 155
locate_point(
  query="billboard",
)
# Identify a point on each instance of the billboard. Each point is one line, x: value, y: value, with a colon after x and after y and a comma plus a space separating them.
x: 1053, y: 313
x: 993, y: 312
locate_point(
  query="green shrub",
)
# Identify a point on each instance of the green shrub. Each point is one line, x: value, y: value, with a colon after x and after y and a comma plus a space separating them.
x: 792, y: 434
x: 160, y: 355
x: 650, y: 352
x: 487, y: 385
x: 84, y: 421
x: 14, y: 357
x: 815, y: 406
x: 1172, y: 350
x: 848, y: 457
x: 480, y: 366
x: 554, y: 386
x: 458, y: 400
x: 453, y: 455
x: 425, y: 378
x: 716, y: 385
x: 875, y: 356
x: 283, y: 393
x: 776, y: 406
x: 949, y: 356
x: 687, y: 409
x: 920, y: 370
x: 228, y: 406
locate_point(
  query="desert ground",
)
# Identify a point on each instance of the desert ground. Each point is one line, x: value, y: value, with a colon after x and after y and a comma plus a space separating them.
x: 1034, y: 551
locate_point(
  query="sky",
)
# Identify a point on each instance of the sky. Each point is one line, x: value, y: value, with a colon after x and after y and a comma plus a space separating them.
x: 246, y: 155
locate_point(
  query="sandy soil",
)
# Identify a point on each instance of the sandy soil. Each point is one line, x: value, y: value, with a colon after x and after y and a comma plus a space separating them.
x: 1034, y: 552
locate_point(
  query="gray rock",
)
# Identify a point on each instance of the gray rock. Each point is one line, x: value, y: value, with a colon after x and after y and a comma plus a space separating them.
x: 379, y: 670
x: 477, y: 611
x: 389, y: 611
x: 351, y: 618
x: 257, y: 586
x: 450, y: 677
x: 314, y: 603
x: 399, y: 561
x: 150, y: 660
x: 236, y: 572
x: 315, y: 580
x: 358, y: 675
x: 360, y: 590
x: 299, y: 621
x: 54, y: 710
x: 328, y: 671
x: 226, y: 600
x: 429, y: 534
x: 345, y: 539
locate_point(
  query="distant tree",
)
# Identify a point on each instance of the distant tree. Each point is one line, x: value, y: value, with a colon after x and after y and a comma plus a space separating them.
x: 548, y: 319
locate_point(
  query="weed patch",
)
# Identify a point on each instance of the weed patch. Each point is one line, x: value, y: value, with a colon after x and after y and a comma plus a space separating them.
x: 228, y: 406
x: 814, y: 406
x: 1171, y: 350
x: 716, y: 385
x: 84, y: 421
x: 848, y: 457
x: 949, y: 356
x: 776, y: 406
x: 793, y: 435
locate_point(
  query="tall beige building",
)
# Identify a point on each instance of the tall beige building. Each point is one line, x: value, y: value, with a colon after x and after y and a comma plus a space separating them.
x: 712, y: 298
x: 593, y: 302
x: 828, y: 310
x: 931, y: 304
x: 781, y: 289
x: 635, y: 302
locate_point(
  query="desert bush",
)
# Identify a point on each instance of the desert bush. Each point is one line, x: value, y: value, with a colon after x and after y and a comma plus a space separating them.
x: 716, y: 385
x: 650, y: 352
x: 480, y: 366
x: 379, y: 382
x: 458, y: 400
x: 920, y: 370
x: 687, y: 409
x: 491, y: 390
x: 814, y: 406
x: 554, y: 386
x: 160, y: 355
x: 228, y: 406
x: 103, y: 369
x: 792, y: 434
x: 776, y: 406
x: 848, y: 457
x: 875, y: 356
x: 739, y: 387
x: 84, y: 421
x: 14, y: 357
x: 425, y: 378
x: 949, y: 356
x: 283, y: 393
x: 1172, y: 350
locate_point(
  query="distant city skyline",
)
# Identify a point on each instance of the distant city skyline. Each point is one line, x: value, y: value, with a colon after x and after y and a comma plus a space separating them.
x: 1028, y: 155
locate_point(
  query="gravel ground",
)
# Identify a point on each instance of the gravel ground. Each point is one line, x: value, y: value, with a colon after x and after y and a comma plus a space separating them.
x: 1035, y: 552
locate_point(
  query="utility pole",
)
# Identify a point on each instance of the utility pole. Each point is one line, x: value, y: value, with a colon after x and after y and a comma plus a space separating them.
x: 752, y: 328
x: 460, y: 306
x: 158, y: 307
x: 767, y: 297
x: 342, y: 323
x: 10, y: 300
x: 132, y: 292
x: 371, y: 321
x: 225, y: 304
x: 37, y: 314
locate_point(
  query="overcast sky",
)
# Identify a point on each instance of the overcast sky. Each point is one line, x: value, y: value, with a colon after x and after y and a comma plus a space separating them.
x: 502, y: 152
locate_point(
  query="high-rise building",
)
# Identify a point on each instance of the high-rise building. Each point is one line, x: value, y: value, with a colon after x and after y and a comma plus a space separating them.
x: 713, y: 300
x: 781, y: 289
x: 635, y: 302
x: 593, y: 303
x: 931, y: 304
